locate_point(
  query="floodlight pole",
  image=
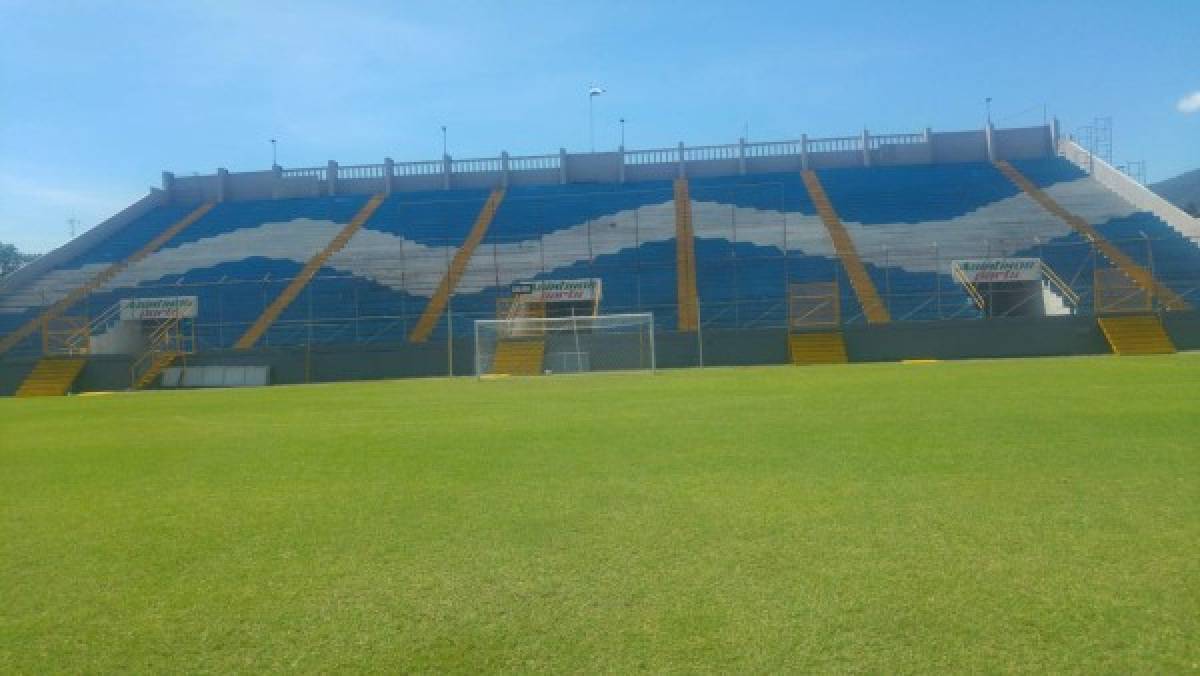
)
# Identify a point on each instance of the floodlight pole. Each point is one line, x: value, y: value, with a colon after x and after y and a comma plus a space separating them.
x: 593, y: 92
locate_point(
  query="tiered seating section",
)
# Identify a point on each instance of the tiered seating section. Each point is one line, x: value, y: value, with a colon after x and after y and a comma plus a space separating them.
x: 1153, y: 244
x: 24, y: 304
x: 753, y: 236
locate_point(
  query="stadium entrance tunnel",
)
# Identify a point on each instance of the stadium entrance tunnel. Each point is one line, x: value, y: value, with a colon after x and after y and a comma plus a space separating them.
x: 1013, y: 299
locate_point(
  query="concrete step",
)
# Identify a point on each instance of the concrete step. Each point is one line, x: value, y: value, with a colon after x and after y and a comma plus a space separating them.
x: 51, y: 377
x: 1136, y: 335
x: 817, y: 348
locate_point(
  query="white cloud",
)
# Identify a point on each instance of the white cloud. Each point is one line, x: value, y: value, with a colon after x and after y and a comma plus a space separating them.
x: 1189, y: 104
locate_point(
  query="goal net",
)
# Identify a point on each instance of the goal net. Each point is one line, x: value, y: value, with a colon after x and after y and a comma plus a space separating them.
x: 541, y: 345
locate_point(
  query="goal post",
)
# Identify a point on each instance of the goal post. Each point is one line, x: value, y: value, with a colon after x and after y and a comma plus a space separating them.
x: 548, y: 345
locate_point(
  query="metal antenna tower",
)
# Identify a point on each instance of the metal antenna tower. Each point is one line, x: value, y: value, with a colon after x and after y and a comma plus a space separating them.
x: 1135, y: 169
x: 1096, y: 138
x: 1103, y: 138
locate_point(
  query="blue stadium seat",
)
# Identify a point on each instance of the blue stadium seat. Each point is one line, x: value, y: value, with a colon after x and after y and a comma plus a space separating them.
x: 754, y: 235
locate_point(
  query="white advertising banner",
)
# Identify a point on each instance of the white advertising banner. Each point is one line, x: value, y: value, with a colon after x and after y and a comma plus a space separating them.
x: 987, y: 270
x: 558, y: 290
x: 139, y: 309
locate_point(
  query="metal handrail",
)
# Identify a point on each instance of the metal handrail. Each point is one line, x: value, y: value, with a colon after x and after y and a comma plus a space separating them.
x: 972, y: 291
x: 166, y: 338
x: 1058, y: 283
x: 83, y: 334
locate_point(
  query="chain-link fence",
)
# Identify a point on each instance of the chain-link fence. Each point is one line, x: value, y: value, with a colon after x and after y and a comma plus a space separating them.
x: 737, y: 288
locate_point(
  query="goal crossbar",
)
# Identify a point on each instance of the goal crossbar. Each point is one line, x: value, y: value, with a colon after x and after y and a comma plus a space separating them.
x: 545, y: 345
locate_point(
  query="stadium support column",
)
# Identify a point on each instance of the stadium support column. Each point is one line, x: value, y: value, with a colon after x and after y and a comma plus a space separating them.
x: 504, y: 169
x: 562, y: 166
x: 389, y: 174
x: 866, y: 148
x: 447, y: 164
x: 987, y: 137
x: 742, y: 156
x: 222, y: 184
x: 621, y: 164
x: 804, y: 152
x: 682, y: 169
x: 441, y: 297
x: 331, y: 178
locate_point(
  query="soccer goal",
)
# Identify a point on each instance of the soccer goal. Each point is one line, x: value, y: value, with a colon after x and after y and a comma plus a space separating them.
x: 545, y: 345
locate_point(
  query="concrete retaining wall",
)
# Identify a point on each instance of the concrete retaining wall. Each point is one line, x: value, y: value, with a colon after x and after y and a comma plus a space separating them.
x: 964, y: 339
x: 1130, y: 190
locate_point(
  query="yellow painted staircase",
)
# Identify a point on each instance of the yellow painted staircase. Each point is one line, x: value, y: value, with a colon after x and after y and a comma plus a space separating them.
x: 51, y: 377
x: 310, y: 269
x: 1140, y: 276
x: 437, y: 304
x: 519, y: 357
x: 157, y: 365
x: 868, y: 296
x: 1136, y: 334
x: 685, y: 259
x: 58, y: 309
x: 817, y: 347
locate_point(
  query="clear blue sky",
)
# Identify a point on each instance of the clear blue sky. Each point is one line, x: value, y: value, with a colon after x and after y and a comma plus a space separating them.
x: 96, y: 98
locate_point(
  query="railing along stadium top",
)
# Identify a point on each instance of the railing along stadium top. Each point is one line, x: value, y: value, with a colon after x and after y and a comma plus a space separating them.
x: 618, y: 165
x: 684, y: 153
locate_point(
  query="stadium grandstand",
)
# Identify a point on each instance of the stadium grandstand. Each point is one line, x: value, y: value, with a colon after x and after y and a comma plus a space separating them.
x: 982, y: 243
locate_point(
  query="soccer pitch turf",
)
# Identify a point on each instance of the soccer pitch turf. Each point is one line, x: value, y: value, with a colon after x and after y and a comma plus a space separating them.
x: 1030, y: 515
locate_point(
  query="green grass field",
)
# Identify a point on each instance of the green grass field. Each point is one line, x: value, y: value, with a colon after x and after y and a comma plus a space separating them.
x: 1032, y: 515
